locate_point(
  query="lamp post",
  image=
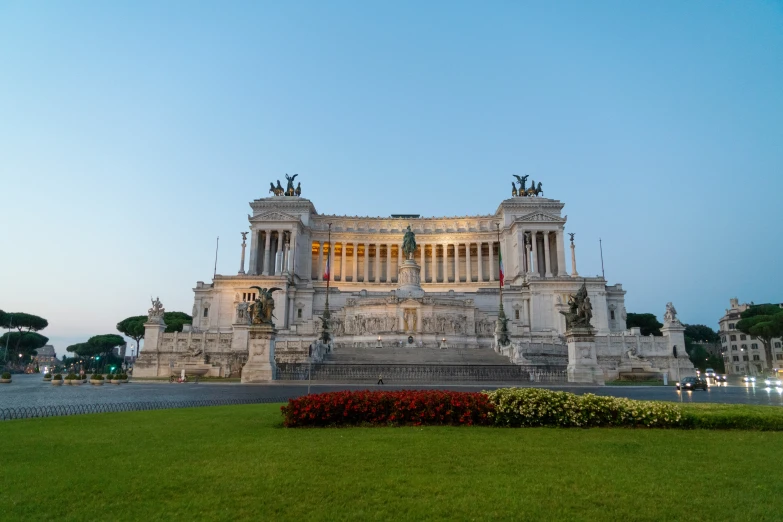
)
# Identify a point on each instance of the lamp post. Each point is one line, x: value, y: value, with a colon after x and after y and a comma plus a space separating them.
x: 326, y: 337
x: 502, y: 328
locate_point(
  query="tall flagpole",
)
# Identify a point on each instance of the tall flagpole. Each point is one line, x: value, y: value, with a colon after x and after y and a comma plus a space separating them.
x: 217, y: 245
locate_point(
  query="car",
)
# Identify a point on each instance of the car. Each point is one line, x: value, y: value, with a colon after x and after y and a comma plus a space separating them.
x: 773, y: 382
x: 709, y: 372
x: 748, y: 378
x: 722, y: 379
x: 692, y: 383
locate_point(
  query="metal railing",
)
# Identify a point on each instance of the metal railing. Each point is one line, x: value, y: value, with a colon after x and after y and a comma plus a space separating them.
x: 29, y: 412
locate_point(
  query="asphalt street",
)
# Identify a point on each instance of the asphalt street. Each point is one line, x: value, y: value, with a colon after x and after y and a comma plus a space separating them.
x: 31, y: 390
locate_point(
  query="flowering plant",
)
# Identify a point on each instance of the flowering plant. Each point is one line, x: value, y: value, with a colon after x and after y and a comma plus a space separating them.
x: 388, y: 408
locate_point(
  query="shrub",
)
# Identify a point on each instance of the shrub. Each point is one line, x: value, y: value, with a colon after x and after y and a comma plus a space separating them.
x: 57, y: 377
x: 528, y: 407
x: 388, y: 408
x: 97, y: 377
x: 70, y: 377
x: 47, y: 375
x: 6, y: 375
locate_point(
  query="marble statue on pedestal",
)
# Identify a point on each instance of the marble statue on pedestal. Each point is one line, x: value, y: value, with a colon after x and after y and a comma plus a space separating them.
x: 155, y: 314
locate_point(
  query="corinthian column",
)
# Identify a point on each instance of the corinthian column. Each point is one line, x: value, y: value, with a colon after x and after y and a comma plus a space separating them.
x: 366, y: 262
x: 534, y: 251
x: 388, y: 263
x: 377, y: 277
x: 491, y: 260
x: 561, y: 265
x: 423, y: 262
x: 479, y: 251
x: 434, y: 263
x: 468, y: 268
x: 267, y: 248
x: 547, y: 263
x: 342, y: 262
x: 320, y: 260
x: 355, y: 268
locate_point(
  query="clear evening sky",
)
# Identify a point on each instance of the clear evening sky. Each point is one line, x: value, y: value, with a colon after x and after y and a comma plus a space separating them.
x: 132, y: 134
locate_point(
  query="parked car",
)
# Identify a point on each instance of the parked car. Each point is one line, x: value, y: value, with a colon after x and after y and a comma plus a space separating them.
x: 748, y: 378
x: 692, y: 383
x: 773, y: 382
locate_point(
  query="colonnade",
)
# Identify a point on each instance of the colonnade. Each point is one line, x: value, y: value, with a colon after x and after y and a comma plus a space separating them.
x: 544, y: 253
x: 271, y: 252
x: 440, y: 262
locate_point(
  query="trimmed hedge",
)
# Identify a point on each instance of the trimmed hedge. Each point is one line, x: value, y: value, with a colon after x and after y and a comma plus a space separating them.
x: 388, y: 408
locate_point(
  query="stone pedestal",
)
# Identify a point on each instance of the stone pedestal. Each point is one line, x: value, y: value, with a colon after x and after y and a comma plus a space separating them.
x: 582, y: 362
x: 260, y: 365
x: 147, y: 363
x: 409, y: 280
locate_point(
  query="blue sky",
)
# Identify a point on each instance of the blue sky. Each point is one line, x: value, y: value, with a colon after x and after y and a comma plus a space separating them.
x: 134, y: 133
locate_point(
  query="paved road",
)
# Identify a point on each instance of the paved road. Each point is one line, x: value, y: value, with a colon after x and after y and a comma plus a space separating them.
x: 30, y: 390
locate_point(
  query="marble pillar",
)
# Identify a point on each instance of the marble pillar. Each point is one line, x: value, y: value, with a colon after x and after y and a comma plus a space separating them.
x: 491, y: 261
x: 377, y: 276
x: 355, y: 267
x: 366, y: 262
x: 342, y: 261
x: 468, y: 268
x: 434, y: 263
x: 242, y: 258
x: 534, y: 251
x: 574, y: 273
x: 479, y: 250
x: 267, y: 252
x: 320, y: 260
x: 561, y: 264
x: 547, y: 260
x: 423, y: 262
x: 388, y: 263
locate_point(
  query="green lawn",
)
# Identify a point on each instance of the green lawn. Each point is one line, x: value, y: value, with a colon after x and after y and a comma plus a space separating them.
x: 238, y: 463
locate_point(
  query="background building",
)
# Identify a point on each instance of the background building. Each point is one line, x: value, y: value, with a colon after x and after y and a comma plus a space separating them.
x: 742, y: 353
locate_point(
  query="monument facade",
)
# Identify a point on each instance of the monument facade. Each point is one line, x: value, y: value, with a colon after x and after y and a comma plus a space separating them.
x: 402, y: 280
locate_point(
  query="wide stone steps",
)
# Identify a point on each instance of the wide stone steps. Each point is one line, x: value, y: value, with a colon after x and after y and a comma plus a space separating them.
x: 414, y: 356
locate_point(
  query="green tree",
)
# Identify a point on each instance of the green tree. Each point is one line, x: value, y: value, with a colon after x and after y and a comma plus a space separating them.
x: 22, y: 323
x: 647, y: 322
x: 175, y: 320
x: 133, y: 327
x: 701, y: 333
x: 25, y: 343
x: 764, y: 322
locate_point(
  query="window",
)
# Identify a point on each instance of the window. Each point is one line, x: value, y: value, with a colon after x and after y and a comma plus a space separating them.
x: 754, y: 346
x: 744, y: 346
x: 611, y: 314
x: 733, y: 346
x: 743, y: 337
x: 777, y: 345
x: 779, y: 356
x: 299, y: 313
x: 735, y: 358
x: 731, y: 326
x: 744, y: 357
x: 737, y: 368
x: 244, y: 296
x: 206, y: 312
x: 733, y: 337
x: 516, y: 314
x: 755, y: 357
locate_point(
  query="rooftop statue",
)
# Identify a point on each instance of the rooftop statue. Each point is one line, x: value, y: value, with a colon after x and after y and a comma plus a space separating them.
x: 580, y: 310
x: 289, y: 190
x: 409, y: 243
x: 522, y: 180
x: 261, y: 311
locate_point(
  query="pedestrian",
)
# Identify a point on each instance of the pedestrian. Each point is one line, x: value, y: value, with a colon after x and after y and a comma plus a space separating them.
x: 380, y: 379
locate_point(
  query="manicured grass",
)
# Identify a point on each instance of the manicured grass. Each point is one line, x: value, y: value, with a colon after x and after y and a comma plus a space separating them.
x: 238, y: 463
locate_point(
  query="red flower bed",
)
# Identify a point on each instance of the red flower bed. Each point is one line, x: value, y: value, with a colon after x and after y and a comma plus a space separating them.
x: 388, y: 408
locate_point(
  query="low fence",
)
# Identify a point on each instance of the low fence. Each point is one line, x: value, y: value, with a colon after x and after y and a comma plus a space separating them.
x: 420, y: 373
x: 29, y: 412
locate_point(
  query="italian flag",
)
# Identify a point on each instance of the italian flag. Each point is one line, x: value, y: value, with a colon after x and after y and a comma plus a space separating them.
x: 328, y: 258
x: 500, y: 264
